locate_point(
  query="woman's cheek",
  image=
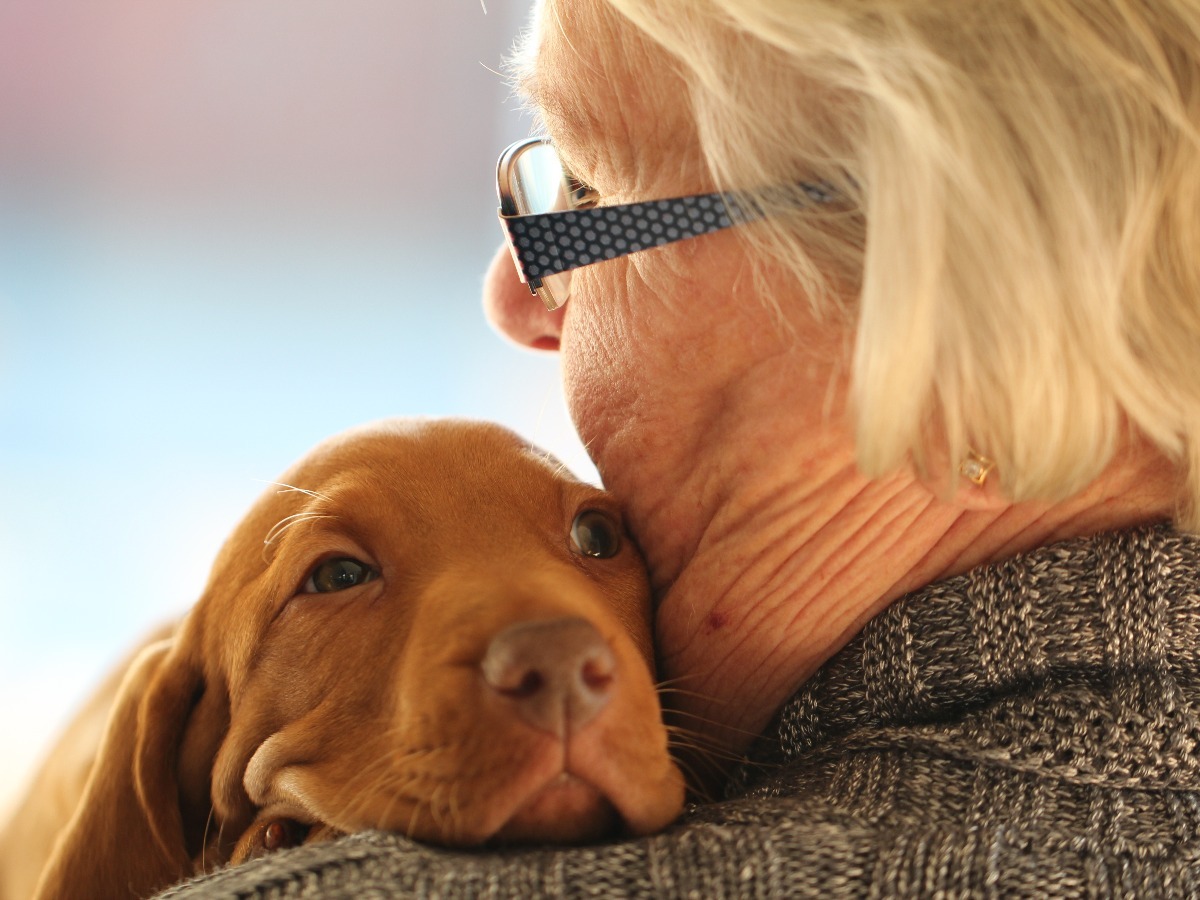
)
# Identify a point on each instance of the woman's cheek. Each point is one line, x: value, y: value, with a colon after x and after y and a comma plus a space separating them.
x: 592, y: 376
x: 607, y: 373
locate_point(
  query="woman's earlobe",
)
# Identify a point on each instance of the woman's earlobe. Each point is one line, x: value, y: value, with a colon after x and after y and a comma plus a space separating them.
x: 972, y: 483
x: 978, y: 487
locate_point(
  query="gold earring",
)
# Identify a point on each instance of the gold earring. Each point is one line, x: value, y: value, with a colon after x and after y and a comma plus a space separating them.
x: 976, y: 468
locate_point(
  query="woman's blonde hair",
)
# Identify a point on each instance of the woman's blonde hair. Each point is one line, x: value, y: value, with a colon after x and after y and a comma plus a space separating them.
x: 1023, y: 224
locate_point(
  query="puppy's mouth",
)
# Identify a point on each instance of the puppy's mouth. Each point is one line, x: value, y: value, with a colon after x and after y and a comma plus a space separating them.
x: 566, y: 809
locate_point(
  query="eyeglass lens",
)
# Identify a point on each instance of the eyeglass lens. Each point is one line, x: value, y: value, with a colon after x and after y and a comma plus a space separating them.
x: 540, y: 186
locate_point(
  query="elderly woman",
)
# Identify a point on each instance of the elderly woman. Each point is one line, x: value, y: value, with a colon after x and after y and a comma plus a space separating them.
x: 902, y: 436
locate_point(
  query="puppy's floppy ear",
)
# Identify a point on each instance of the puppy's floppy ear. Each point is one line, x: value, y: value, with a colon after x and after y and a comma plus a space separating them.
x: 126, y: 838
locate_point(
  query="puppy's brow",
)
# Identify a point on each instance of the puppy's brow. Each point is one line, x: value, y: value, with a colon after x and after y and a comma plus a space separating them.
x: 288, y: 521
x: 283, y: 525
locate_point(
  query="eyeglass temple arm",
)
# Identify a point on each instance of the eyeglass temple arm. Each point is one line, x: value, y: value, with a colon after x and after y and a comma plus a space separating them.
x: 551, y: 243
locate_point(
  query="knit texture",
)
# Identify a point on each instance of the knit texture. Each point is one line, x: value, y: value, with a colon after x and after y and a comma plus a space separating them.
x: 1029, y: 729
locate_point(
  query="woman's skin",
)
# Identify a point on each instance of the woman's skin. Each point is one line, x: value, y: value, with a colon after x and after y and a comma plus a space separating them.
x: 722, y: 426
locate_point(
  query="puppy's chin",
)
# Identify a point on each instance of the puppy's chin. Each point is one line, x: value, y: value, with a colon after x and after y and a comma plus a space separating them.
x: 565, y: 811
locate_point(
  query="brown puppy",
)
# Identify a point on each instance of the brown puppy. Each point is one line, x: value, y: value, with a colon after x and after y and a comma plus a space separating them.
x: 429, y: 628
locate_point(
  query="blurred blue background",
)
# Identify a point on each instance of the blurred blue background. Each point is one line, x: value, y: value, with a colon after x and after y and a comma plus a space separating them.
x: 227, y: 230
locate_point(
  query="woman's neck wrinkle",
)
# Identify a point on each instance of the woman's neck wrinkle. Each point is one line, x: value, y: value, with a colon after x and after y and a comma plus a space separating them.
x: 868, y: 576
x: 833, y: 610
x: 805, y: 506
x: 963, y: 529
x: 790, y: 586
x: 767, y: 529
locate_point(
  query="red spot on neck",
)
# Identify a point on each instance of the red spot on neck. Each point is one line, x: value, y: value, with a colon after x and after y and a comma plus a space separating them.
x: 716, y: 620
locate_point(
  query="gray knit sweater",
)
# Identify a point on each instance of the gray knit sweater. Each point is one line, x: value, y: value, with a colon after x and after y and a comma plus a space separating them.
x: 1030, y: 729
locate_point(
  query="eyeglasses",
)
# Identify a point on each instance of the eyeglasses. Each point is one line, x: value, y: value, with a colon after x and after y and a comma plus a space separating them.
x: 554, y: 227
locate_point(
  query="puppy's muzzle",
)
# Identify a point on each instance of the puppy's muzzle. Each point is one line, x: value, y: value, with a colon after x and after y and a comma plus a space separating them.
x: 558, y: 673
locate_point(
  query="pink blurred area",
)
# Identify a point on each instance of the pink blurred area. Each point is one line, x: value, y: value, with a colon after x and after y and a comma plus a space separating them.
x: 335, y: 102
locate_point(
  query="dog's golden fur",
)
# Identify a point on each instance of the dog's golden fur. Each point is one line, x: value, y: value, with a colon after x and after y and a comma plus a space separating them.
x: 365, y: 707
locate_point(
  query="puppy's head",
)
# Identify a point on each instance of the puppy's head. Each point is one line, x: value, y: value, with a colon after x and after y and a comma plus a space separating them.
x: 430, y: 628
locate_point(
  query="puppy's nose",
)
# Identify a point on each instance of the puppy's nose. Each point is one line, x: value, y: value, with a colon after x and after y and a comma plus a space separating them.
x: 559, y: 672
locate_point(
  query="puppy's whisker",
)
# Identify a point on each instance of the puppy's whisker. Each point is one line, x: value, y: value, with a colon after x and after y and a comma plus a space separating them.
x: 679, y: 679
x: 355, y: 798
x: 452, y: 806
x: 670, y: 683
x: 374, y: 778
x: 355, y: 808
x: 412, y: 821
x: 440, y: 802
x: 386, y: 763
x: 208, y: 820
x: 291, y: 487
x: 700, y: 773
x: 689, y: 676
x: 437, y: 810
x: 396, y: 785
x: 681, y: 735
x: 693, y: 781
x: 381, y: 777
x: 708, y: 752
x: 288, y: 521
x: 720, y: 726
x: 221, y: 858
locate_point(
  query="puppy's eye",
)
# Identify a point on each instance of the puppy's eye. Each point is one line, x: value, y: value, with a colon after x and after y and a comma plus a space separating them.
x: 594, y: 533
x: 337, y: 575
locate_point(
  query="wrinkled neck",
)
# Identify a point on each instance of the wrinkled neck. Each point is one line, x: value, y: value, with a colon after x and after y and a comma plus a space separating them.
x: 797, y: 558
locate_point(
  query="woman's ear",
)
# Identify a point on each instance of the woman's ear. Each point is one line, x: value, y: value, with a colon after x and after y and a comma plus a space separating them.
x: 126, y: 837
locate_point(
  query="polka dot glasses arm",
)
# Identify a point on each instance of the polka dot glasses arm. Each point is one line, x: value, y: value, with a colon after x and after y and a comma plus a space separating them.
x: 552, y: 230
